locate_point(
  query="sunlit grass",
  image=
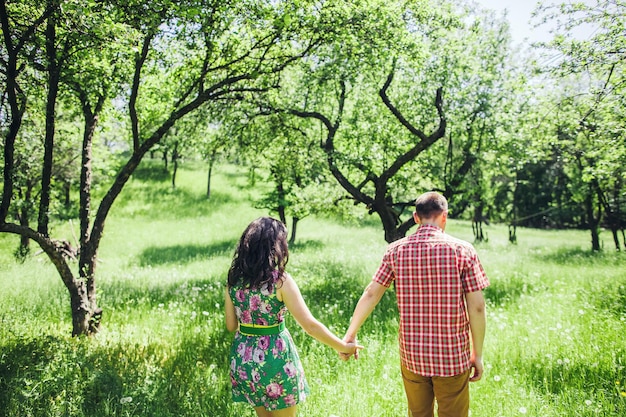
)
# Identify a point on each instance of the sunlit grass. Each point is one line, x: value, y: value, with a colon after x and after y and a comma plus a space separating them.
x: 554, y: 347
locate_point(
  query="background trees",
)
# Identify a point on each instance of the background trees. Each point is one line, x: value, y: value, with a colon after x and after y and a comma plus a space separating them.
x: 187, y: 54
x: 360, y: 105
x: 589, y: 125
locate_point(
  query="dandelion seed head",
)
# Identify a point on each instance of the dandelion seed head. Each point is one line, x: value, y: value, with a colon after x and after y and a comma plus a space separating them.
x: 522, y: 410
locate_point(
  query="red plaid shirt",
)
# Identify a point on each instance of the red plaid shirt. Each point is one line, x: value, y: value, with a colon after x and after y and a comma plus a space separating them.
x: 432, y: 272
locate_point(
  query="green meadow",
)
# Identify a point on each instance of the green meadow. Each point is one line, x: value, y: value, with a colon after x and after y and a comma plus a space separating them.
x: 555, y: 345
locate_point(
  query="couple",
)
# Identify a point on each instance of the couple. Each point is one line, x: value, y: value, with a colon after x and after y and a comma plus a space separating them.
x: 438, y: 284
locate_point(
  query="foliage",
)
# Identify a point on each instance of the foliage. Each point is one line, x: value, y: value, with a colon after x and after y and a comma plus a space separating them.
x: 589, y: 123
x: 162, y: 61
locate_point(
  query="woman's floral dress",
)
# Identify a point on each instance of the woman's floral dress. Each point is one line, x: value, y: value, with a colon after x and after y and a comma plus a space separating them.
x: 264, y: 370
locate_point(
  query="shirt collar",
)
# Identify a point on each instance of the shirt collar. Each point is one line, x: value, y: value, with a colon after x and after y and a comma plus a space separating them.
x: 428, y: 228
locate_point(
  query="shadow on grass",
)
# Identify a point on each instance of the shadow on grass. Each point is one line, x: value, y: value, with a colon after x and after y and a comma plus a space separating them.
x: 181, y: 375
x: 150, y: 171
x: 300, y: 246
x: 151, y: 194
x: 187, y: 376
x: 20, y: 366
x: 180, y: 254
x: 577, y: 256
x: 164, y: 202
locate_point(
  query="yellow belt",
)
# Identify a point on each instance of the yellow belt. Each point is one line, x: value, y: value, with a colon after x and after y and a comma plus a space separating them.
x: 260, y: 330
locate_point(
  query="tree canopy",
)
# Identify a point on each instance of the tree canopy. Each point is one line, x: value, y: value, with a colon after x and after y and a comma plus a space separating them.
x: 362, y: 104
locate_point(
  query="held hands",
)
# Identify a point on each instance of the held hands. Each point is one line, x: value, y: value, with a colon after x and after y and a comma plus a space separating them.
x: 352, y: 348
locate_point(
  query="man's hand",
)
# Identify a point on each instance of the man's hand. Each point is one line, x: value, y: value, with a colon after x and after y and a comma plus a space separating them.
x: 352, y: 341
x: 478, y: 369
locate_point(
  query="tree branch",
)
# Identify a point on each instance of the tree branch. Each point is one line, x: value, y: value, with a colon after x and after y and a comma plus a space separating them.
x: 424, y: 143
x: 403, y: 121
x: 140, y: 59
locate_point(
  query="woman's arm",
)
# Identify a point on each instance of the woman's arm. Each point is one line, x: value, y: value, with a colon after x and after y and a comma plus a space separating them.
x: 232, y: 323
x: 291, y: 296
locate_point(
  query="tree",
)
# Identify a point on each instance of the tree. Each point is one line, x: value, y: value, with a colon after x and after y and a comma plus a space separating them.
x: 379, y: 100
x: 332, y: 81
x: 591, y: 122
x: 478, y: 84
x: 189, y: 54
x: 296, y: 168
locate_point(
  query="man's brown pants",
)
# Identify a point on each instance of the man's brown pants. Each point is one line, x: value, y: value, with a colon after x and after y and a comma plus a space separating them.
x: 451, y: 393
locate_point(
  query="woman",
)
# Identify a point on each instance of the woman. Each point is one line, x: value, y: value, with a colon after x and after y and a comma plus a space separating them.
x: 265, y: 368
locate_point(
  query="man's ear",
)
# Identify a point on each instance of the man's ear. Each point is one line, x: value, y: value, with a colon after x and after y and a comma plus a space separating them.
x: 416, y: 218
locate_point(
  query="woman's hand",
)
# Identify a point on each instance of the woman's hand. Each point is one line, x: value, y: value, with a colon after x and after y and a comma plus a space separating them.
x: 351, y: 348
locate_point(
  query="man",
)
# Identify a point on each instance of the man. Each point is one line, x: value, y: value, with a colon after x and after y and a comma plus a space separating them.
x: 438, y: 282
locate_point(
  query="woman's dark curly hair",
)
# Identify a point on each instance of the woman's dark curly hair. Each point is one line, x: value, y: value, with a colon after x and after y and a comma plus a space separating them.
x: 261, y: 251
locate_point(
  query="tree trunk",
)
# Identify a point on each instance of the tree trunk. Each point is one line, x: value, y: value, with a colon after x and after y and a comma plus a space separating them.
x: 512, y: 233
x: 85, y: 313
x: 86, y: 317
x: 392, y: 233
x: 513, y: 225
x: 280, y: 193
x: 67, y: 198
x: 592, y: 220
x: 175, y: 162
x: 294, y: 225
x: 24, y: 248
x: 17, y: 108
x: 616, y: 238
x: 53, y: 89
x: 477, y: 223
x: 208, y: 180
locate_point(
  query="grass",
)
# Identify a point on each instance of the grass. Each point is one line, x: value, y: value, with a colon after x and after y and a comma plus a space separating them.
x: 554, y: 347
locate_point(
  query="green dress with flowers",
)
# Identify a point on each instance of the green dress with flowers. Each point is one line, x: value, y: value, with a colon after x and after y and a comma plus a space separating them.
x: 264, y: 370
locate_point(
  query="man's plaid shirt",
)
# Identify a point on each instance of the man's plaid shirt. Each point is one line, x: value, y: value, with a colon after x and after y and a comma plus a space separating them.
x: 432, y: 272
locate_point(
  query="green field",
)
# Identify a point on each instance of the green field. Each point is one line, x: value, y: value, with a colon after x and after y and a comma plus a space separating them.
x: 555, y: 345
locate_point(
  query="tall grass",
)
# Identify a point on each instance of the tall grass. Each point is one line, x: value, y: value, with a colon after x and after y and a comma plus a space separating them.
x: 556, y: 318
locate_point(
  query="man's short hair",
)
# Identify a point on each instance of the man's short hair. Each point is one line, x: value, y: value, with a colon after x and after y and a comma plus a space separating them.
x: 430, y: 205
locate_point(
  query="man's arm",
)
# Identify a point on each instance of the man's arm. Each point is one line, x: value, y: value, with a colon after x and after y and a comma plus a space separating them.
x: 368, y: 301
x: 478, y: 323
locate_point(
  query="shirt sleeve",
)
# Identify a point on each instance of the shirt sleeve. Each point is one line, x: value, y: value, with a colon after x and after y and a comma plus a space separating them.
x: 474, y: 276
x: 385, y: 273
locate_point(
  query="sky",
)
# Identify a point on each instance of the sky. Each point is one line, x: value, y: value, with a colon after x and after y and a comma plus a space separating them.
x: 519, y: 15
